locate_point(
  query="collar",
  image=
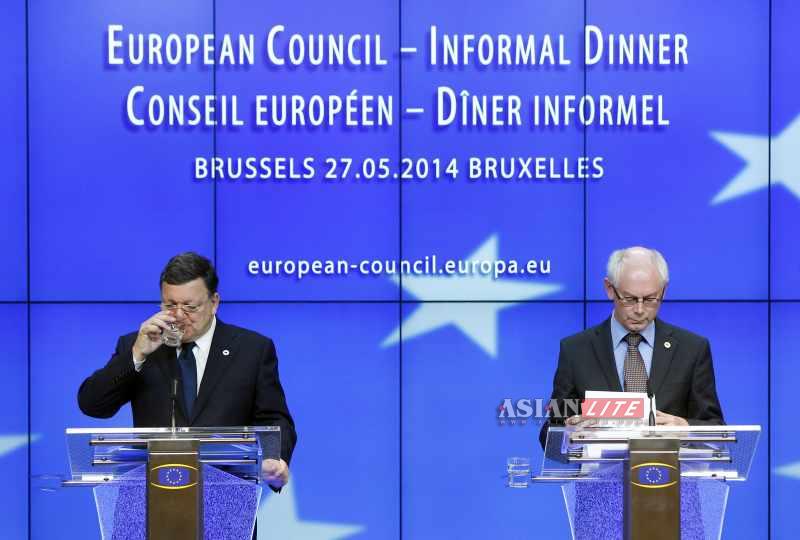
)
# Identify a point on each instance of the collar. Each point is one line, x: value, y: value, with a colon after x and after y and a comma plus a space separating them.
x: 618, y: 332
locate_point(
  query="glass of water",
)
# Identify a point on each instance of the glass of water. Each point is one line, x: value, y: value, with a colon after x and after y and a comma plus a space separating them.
x: 519, y: 472
x: 172, y: 336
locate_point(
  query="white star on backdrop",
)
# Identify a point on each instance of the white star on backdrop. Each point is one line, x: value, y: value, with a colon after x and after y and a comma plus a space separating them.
x: 11, y: 442
x: 791, y: 470
x: 277, y: 518
x: 753, y: 149
x: 478, y: 321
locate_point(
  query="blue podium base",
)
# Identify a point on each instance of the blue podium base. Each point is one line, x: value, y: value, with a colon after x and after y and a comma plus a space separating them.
x: 595, y: 507
x: 229, y: 511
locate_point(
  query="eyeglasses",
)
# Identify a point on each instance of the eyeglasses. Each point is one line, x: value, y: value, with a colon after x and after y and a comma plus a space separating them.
x: 186, y: 308
x: 630, y: 301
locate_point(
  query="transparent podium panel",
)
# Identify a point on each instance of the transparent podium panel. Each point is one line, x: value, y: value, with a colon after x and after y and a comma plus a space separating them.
x: 709, y: 452
x: 591, y: 463
x: 104, y: 455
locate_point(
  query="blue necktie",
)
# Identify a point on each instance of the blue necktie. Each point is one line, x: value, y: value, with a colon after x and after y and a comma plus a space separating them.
x: 188, y: 367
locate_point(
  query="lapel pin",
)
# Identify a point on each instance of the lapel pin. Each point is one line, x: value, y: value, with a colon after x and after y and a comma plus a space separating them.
x: 667, y: 344
x: 226, y: 352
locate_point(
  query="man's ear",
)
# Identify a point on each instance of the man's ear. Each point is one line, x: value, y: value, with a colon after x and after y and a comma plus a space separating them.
x: 609, y: 289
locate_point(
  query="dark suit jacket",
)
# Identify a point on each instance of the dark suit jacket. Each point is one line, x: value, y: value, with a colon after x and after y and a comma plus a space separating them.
x: 240, y: 388
x: 681, y: 374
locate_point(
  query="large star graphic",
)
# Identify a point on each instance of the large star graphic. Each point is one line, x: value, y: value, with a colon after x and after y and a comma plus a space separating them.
x: 278, y: 519
x: 790, y: 470
x: 478, y: 321
x: 12, y: 441
x: 754, y: 150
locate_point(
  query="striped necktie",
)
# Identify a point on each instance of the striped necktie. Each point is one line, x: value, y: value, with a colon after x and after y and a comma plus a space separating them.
x: 634, y: 374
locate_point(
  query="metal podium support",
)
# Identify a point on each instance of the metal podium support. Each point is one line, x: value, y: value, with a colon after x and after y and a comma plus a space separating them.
x: 652, y: 490
x: 174, y: 490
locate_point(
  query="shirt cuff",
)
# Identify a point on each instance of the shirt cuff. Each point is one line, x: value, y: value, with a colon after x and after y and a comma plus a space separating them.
x: 137, y: 364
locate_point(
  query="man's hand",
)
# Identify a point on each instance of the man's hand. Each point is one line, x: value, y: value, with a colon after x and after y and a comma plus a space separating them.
x: 149, y: 338
x: 664, y: 419
x: 580, y: 421
x: 275, y: 472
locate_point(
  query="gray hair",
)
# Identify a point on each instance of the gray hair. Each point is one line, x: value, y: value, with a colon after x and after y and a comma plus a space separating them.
x: 617, y: 260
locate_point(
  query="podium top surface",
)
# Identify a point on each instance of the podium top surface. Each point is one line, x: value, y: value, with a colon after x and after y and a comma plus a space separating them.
x: 103, y: 455
x: 708, y: 452
x: 179, y: 431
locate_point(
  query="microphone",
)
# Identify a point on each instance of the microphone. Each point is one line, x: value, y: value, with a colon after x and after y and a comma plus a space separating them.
x: 174, y: 397
x: 652, y: 419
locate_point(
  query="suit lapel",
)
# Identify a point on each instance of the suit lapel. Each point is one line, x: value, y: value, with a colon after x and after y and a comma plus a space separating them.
x: 220, y: 356
x: 604, y: 352
x: 663, y: 351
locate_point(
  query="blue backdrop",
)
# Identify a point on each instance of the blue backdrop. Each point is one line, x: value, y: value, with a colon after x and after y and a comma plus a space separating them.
x: 397, y: 433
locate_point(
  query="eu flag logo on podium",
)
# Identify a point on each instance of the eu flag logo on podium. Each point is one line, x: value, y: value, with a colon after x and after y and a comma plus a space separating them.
x: 654, y: 475
x: 174, y: 476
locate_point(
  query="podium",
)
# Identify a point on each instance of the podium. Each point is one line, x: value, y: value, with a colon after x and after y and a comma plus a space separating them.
x: 647, y: 483
x: 172, y: 484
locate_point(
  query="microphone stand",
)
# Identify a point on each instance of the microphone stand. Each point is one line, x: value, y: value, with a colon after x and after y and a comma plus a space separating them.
x: 174, y: 397
x: 652, y: 419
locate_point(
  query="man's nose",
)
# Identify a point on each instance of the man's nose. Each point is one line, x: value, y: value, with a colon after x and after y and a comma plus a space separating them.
x: 638, y: 307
